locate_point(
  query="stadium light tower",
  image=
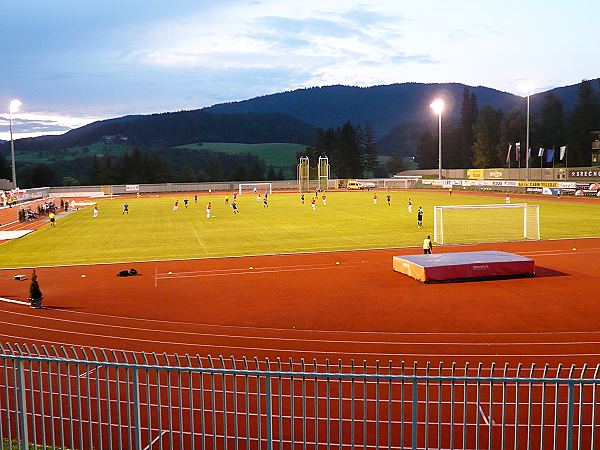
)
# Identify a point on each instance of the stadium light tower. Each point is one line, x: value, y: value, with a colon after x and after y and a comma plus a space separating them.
x: 13, y: 106
x: 527, y: 87
x: 438, y: 108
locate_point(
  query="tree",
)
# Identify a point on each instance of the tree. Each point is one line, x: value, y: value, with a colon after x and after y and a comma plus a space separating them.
x: 486, y: 149
x: 427, y: 151
x: 512, y: 131
x: 368, y: 149
x: 468, y: 117
x: 70, y: 181
x: 271, y: 173
x: 584, y: 119
x: 396, y: 163
x: 214, y: 168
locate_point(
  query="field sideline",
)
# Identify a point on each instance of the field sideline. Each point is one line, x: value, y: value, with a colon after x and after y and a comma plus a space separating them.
x: 350, y: 221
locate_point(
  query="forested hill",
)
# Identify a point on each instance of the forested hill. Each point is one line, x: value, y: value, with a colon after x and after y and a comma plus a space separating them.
x: 184, y: 127
x: 383, y: 106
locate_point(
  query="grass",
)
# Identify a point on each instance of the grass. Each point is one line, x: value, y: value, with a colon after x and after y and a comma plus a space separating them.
x: 350, y: 221
x: 281, y: 155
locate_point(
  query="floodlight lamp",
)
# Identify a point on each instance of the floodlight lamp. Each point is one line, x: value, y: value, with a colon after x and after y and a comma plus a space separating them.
x: 526, y: 87
x: 437, y: 106
x: 14, y: 105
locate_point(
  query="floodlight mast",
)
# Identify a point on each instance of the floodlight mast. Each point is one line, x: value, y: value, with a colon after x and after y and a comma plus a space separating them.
x: 438, y: 107
x: 13, y: 106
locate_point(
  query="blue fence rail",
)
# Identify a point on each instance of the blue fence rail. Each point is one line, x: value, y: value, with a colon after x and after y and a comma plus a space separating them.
x: 105, y: 399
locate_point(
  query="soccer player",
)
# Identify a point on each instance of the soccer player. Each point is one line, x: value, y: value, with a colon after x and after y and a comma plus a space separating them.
x: 185, y: 202
x: 234, y: 196
x: 374, y: 199
x: 227, y: 199
x: 196, y: 198
x: 450, y: 191
x: 427, y: 245
x: 234, y: 207
x: 302, y: 198
x: 313, y: 204
x: 389, y: 199
x: 95, y: 211
x: 208, y: 210
x: 324, y: 198
x: 507, y: 199
x: 420, y: 217
x: 265, y: 200
x: 125, y: 209
x: 176, y: 205
x: 52, y: 219
x: 409, y: 206
x: 258, y: 197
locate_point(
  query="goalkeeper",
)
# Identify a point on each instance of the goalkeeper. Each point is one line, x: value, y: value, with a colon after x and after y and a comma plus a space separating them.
x: 427, y: 245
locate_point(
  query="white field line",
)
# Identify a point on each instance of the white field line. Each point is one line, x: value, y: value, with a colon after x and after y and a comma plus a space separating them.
x: 200, y: 242
x: 287, y: 339
x: 9, y: 223
x: 313, y: 331
x: 147, y: 447
x: 307, y: 251
x: 483, y: 415
x: 18, y: 302
x: 291, y: 350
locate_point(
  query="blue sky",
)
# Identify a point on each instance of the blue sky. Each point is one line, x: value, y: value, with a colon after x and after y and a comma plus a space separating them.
x: 72, y: 61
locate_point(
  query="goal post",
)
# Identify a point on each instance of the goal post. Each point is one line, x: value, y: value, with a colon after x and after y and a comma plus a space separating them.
x: 249, y: 187
x: 470, y: 224
x: 303, y: 172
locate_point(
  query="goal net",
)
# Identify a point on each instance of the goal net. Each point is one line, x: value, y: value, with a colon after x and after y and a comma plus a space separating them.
x: 468, y: 224
x: 255, y: 187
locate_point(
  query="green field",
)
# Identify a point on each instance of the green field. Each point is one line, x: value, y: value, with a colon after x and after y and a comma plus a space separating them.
x: 280, y: 155
x: 71, y: 153
x: 152, y: 231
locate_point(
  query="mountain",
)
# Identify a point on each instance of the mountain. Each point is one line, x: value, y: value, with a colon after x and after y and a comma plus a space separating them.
x: 399, y: 113
x: 178, y: 128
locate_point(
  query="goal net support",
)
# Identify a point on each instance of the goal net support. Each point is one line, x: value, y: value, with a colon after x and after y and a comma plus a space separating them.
x: 469, y: 224
x: 250, y: 187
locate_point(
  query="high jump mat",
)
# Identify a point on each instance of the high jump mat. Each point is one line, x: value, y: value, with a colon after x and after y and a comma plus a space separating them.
x: 464, y: 266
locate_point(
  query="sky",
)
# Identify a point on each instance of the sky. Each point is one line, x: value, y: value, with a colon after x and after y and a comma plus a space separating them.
x: 72, y: 62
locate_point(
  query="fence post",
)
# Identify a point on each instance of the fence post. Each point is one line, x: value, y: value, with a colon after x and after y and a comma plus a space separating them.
x: 415, y: 393
x: 269, y: 412
x: 136, y: 409
x: 22, y: 404
x: 570, y: 414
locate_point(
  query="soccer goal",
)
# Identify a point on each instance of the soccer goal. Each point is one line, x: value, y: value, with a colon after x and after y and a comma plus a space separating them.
x: 469, y: 224
x: 254, y: 187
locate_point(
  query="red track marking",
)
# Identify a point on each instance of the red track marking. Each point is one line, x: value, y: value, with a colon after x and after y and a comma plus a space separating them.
x: 306, y: 305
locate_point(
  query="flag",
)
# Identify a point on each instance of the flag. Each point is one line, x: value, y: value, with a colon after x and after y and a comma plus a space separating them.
x: 550, y: 155
x: 518, y: 151
x: 508, y: 154
x: 563, y: 151
x: 541, y: 152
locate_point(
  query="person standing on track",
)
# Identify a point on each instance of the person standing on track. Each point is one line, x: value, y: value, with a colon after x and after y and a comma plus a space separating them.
x: 420, y: 217
x: 427, y: 245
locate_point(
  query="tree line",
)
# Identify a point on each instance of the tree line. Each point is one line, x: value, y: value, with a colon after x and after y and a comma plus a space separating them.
x: 351, y: 151
x: 481, y: 137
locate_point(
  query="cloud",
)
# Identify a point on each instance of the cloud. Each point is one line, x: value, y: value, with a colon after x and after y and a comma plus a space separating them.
x: 38, y: 124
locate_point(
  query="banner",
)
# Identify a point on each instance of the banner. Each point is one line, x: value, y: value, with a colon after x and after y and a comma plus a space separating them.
x: 542, y: 184
x: 518, y: 151
x: 132, y: 187
x: 563, y: 150
x: 593, y: 173
x: 508, y: 154
x: 550, y: 155
x: 474, y: 174
x: 493, y: 173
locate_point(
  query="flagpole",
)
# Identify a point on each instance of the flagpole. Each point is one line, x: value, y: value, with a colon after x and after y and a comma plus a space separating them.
x: 553, y: 177
x: 567, y: 162
x: 527, y: 144
x: 542, y: 167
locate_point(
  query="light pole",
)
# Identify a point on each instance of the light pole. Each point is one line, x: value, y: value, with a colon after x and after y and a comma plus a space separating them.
x: 527, y: 143
x: 438, y: 108
x: 13, y: 106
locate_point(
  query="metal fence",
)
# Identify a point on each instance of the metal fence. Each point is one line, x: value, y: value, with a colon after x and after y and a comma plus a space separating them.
x: 97, y: 399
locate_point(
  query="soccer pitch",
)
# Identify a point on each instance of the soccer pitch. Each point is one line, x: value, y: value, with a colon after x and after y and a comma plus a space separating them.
x: 349, y: 221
